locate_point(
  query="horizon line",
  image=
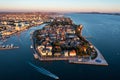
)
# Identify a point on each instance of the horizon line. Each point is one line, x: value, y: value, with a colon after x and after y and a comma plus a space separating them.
x: 54, y: 12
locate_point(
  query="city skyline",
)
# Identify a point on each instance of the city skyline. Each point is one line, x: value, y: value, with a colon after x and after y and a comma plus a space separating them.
x: 60, y: 5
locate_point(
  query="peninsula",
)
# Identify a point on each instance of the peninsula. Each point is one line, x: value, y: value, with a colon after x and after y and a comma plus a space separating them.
x: 61, y: 39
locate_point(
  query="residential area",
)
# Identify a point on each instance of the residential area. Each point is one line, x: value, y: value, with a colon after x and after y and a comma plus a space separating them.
x: 61, y: 39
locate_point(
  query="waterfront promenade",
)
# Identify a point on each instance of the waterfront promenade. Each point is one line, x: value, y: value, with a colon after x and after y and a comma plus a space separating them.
x: 100, y: 60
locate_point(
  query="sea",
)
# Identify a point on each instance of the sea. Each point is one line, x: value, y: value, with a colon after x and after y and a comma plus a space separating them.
x: 101, y: 30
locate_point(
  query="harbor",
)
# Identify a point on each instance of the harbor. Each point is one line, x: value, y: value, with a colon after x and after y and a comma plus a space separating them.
x: 16, y: 60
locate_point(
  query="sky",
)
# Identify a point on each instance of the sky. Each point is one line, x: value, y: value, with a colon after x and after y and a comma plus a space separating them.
x: 60, y: 5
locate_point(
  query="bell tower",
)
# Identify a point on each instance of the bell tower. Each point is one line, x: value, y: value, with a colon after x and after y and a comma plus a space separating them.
x: 79, y: 29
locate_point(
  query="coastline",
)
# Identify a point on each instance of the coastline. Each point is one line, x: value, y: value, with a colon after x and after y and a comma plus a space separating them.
x: 103, y: 61
x: 14, y: 33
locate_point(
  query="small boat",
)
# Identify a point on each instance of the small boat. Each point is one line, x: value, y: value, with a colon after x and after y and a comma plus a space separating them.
x: 80, y: 59
x: 31, y: 46
x: 36, y: 56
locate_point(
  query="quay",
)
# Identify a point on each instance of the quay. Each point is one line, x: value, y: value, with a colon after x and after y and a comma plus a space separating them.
x: 100, y: 60
x: 74, y: 60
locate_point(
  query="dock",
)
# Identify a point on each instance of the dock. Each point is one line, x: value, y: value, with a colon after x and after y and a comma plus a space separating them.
x: 8, y: 47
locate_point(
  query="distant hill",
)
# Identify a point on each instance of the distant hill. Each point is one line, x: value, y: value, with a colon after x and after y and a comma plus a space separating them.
x: 98, y: 13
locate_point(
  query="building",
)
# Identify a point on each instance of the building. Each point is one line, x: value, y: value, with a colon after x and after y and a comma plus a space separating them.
x: 66, y: 53
x: 20, y: 26
x: 72, y: 53
x: 41, y: 51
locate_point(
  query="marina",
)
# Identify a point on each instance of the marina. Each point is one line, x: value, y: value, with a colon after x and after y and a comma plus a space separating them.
x: 7, y: 47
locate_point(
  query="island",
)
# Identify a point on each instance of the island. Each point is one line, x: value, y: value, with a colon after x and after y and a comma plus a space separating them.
x: 61, y: 39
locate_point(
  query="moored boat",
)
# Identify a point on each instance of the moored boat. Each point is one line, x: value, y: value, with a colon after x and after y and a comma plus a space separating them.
x: 6, y: 47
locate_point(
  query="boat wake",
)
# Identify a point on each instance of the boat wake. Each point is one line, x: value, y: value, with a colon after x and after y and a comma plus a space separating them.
x: 44, y: 71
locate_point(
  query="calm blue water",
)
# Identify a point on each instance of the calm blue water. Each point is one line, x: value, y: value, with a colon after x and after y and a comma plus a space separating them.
x: 105, y: 33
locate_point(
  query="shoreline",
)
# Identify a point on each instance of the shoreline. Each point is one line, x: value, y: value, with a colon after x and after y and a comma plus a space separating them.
x: 14, y: 33
x: 103, y: 61
x: 72, y: 60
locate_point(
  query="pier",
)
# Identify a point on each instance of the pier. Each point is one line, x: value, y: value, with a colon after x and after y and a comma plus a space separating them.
x: 7, y: 47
